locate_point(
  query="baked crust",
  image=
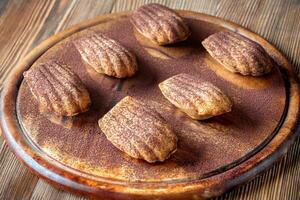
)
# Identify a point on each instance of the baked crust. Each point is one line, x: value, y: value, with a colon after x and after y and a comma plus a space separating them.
x: 160, y: 24
x: 238, y: 54
x: 57, y: 89
x: 106, y: 55
x: 199, y: 100
x: 138, y: 130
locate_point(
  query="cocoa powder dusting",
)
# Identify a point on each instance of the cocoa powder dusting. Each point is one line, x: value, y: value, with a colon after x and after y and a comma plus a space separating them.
x: 202, y: 145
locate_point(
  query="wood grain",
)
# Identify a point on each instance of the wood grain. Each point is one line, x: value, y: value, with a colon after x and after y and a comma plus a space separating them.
x: 24, y: 24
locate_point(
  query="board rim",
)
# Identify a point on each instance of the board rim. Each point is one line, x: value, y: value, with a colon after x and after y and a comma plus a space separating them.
x: 207, y: 187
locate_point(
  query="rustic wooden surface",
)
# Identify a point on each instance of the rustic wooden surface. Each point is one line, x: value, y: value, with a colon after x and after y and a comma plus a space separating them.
x: 25, y: 23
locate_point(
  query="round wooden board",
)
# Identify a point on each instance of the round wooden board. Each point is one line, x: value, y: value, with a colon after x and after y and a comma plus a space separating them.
x: 213, y: 155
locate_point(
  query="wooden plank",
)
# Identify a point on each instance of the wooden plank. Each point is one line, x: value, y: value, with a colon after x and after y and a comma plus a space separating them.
x: 16, y: 181
x: 15, y: 38
x: 3, y: 5
x: 1, y: 139
x: 34, y: 21
x: 203, y: 6
x: 64, y: 15
x: 44, y: 191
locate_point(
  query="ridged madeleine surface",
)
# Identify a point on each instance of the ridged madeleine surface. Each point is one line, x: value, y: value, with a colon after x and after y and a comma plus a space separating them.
x: 238, y: 54
x: 160, y: 24
x: 138, y: 130
x: 106, y: 55
x: 199, y: 100
x: 57, y: 89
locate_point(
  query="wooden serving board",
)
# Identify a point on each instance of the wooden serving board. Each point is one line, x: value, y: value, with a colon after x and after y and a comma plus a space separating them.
x: 213, y: 155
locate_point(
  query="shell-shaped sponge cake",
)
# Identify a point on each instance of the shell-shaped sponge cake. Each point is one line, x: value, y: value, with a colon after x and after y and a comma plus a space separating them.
x: 106, y: 55
x: 160, y: 24
x: 57, y: 89
x: 138, y: 130
x: 200, y: 100
x: 238, y: 54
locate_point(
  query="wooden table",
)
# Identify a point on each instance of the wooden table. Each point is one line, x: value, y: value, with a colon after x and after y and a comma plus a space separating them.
x: 25, y: 23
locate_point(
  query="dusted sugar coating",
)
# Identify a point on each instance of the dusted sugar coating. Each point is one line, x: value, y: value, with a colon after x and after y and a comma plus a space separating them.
x: 57, y: 89
x: 238, y: 54
x: 106, y: 55
x: 160, y: 24
x: 138, y: 130
x: 199, y: 100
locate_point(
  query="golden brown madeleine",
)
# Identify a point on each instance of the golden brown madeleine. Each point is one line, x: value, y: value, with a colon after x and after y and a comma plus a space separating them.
x: 57, y: 89
x: 238, y: 54
x: 106, y: 55
x: 160, y: 24
x: 138, y: 130
x: 200, y: 100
